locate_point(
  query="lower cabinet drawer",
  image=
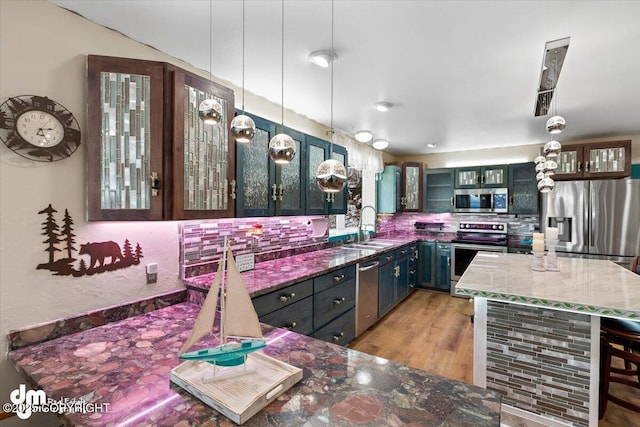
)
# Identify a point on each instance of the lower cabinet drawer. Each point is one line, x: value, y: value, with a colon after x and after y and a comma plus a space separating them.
x: 296, y: 317
x: 341, y: 331
x: 282, y: 298
x: 331, y: 303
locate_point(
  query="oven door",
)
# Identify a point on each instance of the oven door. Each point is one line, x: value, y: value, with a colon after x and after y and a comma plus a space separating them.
x: 461, y: 256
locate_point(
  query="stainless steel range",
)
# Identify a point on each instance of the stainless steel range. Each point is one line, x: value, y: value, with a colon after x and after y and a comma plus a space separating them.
x: 473, y: 237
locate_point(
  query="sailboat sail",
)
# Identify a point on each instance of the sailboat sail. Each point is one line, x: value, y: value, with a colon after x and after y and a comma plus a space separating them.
x: 240, y: 318
x: 207, y: 315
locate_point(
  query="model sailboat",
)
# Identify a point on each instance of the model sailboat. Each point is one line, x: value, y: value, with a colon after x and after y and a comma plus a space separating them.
x: 239, y: 320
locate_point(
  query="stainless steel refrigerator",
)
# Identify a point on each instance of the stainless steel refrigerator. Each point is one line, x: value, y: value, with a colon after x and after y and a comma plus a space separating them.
x: 596, y: 219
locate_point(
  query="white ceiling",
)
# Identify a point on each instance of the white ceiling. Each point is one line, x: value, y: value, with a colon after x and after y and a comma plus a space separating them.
x: 462, y: 74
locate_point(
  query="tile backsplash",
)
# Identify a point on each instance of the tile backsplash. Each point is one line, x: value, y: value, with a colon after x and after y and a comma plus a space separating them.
x: 201, y: 242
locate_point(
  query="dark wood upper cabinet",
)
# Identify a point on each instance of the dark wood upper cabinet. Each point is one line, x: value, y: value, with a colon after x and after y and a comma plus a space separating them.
x: 149, y: 155
x: 598, y: 160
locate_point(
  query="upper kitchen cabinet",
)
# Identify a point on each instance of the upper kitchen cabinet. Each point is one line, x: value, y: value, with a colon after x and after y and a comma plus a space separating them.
x: 317, y: 201
x: 389, y: 190
x: 399, y: 188
x: 203, y: 156
x: 481, y: 176
x: 438, y: 190
x: 412, y: 186
x: 264, y: 187
x: 125, y: 146
x: 149, y: 155
x: 523, y: 189
x: 594, y: 161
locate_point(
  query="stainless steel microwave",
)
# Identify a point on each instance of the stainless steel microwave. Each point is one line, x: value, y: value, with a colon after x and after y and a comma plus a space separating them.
x: 481, y: 200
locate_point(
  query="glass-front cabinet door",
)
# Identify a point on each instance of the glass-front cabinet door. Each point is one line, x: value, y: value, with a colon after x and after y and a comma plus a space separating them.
x: 255, y: 173
x: 570, y: 163
x: 493, y: 176
x: 523, y: 189
x: 467, y: 177
x: 289, y: 180
x: 338, y: 201
x: 608, y: 159
x: 125, y: 177
x: 203, y: 167
x: 438, y: 190
x: 412, y: 186
x: 315, y: 153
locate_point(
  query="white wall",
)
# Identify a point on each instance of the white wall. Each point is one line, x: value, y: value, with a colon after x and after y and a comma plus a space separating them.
x: 43, y: 51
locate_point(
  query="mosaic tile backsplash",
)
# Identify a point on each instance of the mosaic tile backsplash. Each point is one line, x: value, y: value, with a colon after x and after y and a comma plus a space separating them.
x: 548, y: 371
x: 201, y: 242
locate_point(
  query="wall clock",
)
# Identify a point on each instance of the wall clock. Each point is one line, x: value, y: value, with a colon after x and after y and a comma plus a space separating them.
x: 38, y: 128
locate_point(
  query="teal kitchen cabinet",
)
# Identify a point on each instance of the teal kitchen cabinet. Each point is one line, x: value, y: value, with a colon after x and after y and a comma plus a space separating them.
x: 438, y: 190
x: 265, y: 188
x: 386, y: 283
x: 481, y: 177
x: 434, y: 265
x: 317, y: 201
x: 523, y: 189
x: 389, y: 190
x: 443, y: 265
x: 412, y: 186
x: 401, y: 272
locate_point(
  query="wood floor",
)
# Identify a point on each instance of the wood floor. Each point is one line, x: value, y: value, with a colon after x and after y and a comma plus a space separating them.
x: 441, y: 335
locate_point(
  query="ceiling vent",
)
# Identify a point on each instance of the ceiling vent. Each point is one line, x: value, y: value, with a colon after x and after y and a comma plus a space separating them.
x: 554, y: 54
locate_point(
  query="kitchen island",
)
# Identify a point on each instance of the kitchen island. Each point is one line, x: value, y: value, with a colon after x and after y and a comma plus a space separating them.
x: 126, y: 365
x: 536, y: 336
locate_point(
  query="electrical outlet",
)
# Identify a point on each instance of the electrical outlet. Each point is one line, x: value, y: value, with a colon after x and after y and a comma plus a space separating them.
x: 152, y: 272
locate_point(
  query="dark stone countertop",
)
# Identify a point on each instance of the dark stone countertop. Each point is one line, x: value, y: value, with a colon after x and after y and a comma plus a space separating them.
x: 272, y: 275
x: 126, y: 364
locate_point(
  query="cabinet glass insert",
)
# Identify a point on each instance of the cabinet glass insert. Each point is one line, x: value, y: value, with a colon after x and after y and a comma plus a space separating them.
x: 468, y: 177
x: 289, y: 191
x: 315, y: 195
x: 567, y: 162
x: 255, y: 172
x: 494, y: 176
x: 205, y: 156
x: 125, y: 110
x: 607, y: 159
x: 412, y: 175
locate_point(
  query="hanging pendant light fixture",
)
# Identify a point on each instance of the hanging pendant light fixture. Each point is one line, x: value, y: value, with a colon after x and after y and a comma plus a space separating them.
x: 282, y: 148
x: 210, y: 110
x: 331, y: 175
x: 243, y: 128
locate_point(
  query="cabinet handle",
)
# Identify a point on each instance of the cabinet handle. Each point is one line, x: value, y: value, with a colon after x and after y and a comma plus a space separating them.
x: 338, y: 337
x: 396, y: 271
x: 339, y: 301
x: 387, y: 258
x: 579, y: 166
x: 274, y: 192
x: 412, y: 273
x: 290, y: 326
x: 338, y: 277
x: 452, y: 201
x: 333, y: 197
x: 285, y: 298
x: 482, y: 180
x: 155, y: 183
x: 403, y: 252
x: 449, y: 261
x: 587, y: 165
x: 511, y: 200
x: 415, y: 254
x: 281, y: 193
x: 233, y: 189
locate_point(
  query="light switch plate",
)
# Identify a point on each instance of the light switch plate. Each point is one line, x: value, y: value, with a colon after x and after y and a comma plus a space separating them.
x: 245, y: 262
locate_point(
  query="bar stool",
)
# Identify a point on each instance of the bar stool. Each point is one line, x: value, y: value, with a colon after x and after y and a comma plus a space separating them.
x: 619, y: 338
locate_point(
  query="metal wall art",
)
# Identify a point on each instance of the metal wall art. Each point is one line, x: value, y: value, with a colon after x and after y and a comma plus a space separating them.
x: 98, y: 256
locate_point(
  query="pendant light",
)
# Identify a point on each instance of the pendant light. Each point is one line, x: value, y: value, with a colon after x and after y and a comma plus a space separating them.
x: 331, y: 175
x: 210, y: 110
x: 243, y: 128
x: 282, y: 148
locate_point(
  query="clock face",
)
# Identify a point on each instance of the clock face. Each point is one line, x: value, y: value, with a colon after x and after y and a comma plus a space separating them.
x: 40, y: 128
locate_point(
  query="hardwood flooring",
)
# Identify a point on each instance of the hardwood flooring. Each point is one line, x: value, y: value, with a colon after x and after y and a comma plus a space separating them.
x: 441, y: 335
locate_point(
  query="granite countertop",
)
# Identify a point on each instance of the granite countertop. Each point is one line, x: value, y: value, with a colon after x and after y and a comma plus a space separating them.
x: 586, y: 285
x: 275, y: 274
x: 126, y: 365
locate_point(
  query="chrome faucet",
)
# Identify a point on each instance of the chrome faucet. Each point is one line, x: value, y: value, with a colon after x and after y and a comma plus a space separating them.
x: 375, y: 214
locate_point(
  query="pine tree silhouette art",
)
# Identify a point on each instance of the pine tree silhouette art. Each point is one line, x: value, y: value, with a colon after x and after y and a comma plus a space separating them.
x: 50, y: 228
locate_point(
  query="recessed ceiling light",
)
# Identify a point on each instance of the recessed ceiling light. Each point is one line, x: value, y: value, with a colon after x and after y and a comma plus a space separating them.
x: 380, y: 144
x: 382, y: 106
x: 363, y: 136
x: 432, y: 145
x: 322, y: 58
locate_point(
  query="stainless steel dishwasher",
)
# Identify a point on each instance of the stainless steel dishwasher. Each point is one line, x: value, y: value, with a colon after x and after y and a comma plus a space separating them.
x: 366, y: 295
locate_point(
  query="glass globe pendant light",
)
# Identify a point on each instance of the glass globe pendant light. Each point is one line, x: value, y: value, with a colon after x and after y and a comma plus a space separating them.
x: 210, y: 110
x: 282, y: 148
x: 243, y: 128
x: 331, y: 175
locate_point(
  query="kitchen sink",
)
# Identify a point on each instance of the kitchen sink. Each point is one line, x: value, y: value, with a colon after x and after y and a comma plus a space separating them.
x: 360, y: 247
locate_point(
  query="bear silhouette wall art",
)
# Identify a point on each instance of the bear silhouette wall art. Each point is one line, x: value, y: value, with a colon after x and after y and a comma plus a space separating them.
x: 102, y: 256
